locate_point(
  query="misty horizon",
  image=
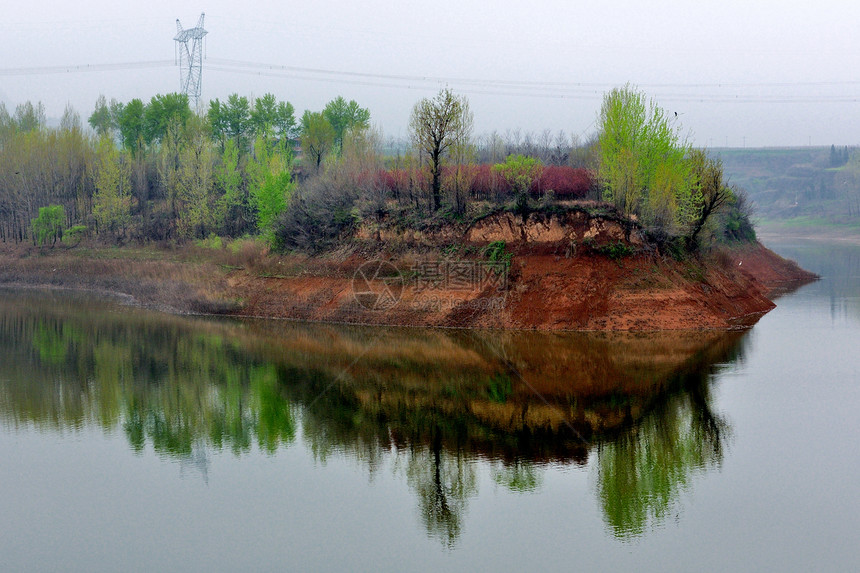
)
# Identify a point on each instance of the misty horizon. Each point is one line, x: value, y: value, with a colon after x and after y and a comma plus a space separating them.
x: 766, y: 75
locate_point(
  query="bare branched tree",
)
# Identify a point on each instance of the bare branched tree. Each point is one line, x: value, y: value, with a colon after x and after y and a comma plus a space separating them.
x: 437, y: 124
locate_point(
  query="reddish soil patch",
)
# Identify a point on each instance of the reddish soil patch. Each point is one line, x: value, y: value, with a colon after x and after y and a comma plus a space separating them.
x: 547, y: 292
x: 769, y: 268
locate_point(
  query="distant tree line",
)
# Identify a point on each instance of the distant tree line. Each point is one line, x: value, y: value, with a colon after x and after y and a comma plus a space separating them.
x: 839, y: 156
x: 802, y: 182
x: 157, y: 171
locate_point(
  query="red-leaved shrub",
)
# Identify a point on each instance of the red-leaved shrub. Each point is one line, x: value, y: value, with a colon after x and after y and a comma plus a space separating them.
x: 566, y: 182
x: 486, y: 184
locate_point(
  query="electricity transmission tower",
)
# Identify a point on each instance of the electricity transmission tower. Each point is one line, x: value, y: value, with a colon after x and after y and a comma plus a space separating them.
x: 189, y: 43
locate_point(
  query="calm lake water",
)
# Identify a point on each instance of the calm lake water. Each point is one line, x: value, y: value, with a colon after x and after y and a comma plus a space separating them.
x: 133, y: 440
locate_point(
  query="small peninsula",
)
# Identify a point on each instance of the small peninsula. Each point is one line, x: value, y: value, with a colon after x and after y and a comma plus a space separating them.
x: 245, y: 211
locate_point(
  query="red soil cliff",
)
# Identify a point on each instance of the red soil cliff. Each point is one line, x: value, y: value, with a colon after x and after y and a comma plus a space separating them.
x: 563, y: 275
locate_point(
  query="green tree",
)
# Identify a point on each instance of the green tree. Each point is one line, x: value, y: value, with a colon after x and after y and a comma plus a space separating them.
x: 230, y: 205
x: 70, y: 122
x: 271, y: 184
x: 264, y: 116
x: 169, y: 161
x: 112, y: 198
x: 6, y: 123
x: 520, y: 172
x: 272, y: 119
x: 285, y: 120
x: 237, y: 119
x: 435, y: 125
x: 100, y: 120
x: 131, y: 125
x: 29, y: 117
x: 116, y: 108
x: 709, y: 196
x: 194, y: 213
x: 343, y: 116
x: 217, y: 121
x: 49, y: 225
x: 643, y: 168
x: 161, y: 112
x: 318, y: 138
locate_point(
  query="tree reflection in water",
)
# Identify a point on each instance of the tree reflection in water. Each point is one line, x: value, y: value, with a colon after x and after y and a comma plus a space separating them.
x: 443, y: 480
x: 435, y: 404
x: 518, y: 476
x: 643, y: 470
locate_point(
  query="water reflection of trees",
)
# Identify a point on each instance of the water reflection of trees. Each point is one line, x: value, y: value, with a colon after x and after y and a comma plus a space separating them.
x: 443, y: 480
x: 433, y: 403
x: 161, y: 380
x: 642, y: 471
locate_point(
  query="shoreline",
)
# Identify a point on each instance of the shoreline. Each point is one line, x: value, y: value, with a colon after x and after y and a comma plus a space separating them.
x: 129, y: 301
x: 547, y: 291
x: 777, y: 231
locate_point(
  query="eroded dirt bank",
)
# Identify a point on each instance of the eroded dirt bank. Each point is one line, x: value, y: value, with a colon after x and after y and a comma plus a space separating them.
x: 567, y: 272
x: 550, y: 272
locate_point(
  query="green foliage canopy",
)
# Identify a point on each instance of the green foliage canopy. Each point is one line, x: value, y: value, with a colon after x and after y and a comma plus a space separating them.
x: 29, y: 116
x: 240, y: 121
x: 343, y: 115
x: 162, y: 111
x: 271, y: 184
x: 271, y: 118
x: 643, y: 165
x: 100, y: 120
x: 519, y: 171
x: 131, y: 121
x: 112, y: 199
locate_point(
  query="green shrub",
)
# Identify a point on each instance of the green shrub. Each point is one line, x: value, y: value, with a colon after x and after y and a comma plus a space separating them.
x: 75, y: 234
x: 496, y: 252
x: 49, y: 225
x: 616, y: 250
x: 213, y: 241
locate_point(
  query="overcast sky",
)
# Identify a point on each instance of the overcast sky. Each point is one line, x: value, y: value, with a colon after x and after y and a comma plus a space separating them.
x: 753, y: 72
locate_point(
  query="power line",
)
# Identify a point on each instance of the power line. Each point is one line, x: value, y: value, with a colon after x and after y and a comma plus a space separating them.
x: 417, y: 84
x: 399, y: 77
x: 711, y: 92
x: 119, y: 66
x: 521, y: 83
x: 524, y: 88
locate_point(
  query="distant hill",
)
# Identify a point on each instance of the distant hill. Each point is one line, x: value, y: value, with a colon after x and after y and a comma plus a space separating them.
x: 814, y: 183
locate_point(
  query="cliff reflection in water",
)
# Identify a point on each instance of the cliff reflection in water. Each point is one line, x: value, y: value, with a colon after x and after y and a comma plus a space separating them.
x: 433, y: 403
